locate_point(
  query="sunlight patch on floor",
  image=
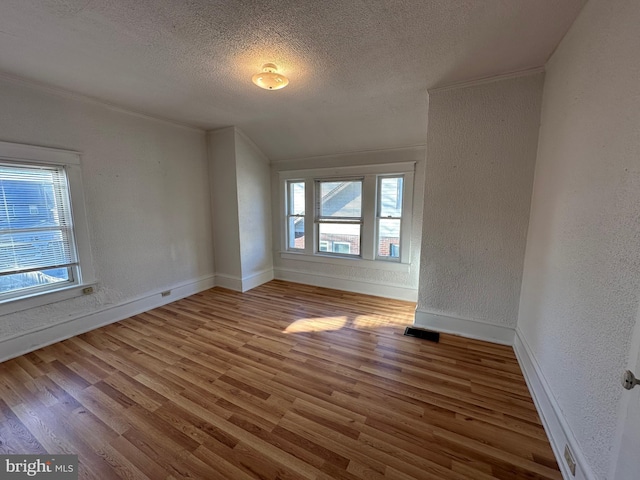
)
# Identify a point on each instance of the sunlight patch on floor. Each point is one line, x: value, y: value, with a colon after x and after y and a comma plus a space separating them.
x: 320, y: 324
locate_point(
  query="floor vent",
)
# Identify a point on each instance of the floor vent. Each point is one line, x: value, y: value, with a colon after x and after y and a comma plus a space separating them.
x: 426, y: 334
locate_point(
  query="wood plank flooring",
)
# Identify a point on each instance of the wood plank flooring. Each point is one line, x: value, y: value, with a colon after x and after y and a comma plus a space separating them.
x: 283, y: 382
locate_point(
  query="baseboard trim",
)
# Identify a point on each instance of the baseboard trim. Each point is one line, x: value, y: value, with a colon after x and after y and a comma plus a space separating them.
x: 229, y: 281
x: 552, y: 418
x: 464, y: 327
x: 256, y: 279
x: 26, y: 342
x: 243, y: 284
x: 338, y: 283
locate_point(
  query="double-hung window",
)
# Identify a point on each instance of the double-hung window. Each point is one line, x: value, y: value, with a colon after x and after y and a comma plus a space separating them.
x: 295, y: 215
x: 37, y: 245
x: 39, y: 248
x: 351, y: 213
x: 339, y: 216
x: 389, y: 216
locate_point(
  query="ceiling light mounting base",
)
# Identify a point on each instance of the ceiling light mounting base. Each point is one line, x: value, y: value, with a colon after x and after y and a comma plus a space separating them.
x: 269, y: 67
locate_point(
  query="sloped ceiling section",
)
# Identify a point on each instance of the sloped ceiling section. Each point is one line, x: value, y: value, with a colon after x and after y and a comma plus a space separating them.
x: 359, y: 69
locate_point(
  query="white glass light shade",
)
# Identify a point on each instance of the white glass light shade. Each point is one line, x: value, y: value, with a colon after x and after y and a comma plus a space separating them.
x: 269, y: 78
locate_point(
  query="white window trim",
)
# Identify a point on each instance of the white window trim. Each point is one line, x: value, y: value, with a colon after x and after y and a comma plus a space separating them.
x: 24, y: 154
x: 368, y: 251
x: 333, y: 259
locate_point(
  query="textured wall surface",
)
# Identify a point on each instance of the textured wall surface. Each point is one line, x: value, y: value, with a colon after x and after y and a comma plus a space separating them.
x: 481, y: 151
x: 224, y: 201
x: 358, y: 69
x: 254, y: 207
x: 406, y: 280
x: 146, y: 192
x: 581, y: 285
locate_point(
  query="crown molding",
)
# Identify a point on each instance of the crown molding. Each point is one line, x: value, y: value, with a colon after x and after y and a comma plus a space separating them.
x: 417, y: 147
x: 62, y: 92
x: 485, y: 80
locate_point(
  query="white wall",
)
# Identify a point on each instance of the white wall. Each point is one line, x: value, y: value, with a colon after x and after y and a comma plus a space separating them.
x: 581, y: 285
x: 147, y: 198
x: 357, y: 278
x: 254, y: 209
x: 481, y: 152
x: 241, y: 196
x: 224, y: 202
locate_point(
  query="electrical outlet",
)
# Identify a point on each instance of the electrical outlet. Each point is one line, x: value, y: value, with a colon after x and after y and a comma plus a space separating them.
x: 166, y: 293
x: 571, y: 463
x: 87, y: 290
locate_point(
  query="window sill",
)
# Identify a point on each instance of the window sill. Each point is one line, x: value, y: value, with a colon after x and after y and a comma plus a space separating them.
x: 348, y: 262
x: 33, y: 300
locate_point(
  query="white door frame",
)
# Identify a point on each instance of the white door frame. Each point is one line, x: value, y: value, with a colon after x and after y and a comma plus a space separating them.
x: 625, y: 462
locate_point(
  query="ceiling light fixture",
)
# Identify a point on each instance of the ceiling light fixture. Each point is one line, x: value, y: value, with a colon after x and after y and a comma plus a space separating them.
x: 269, y: 78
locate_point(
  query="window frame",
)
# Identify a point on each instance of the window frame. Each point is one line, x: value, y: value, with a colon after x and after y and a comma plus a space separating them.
x: 84, y: 275
x: 379, y: 217
x: 368, y: 257
x: 65, y: 229
x: 329, y: 220
x: 289, y: 214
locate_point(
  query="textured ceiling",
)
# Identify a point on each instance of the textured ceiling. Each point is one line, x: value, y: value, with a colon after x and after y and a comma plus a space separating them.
x: 359, y: 69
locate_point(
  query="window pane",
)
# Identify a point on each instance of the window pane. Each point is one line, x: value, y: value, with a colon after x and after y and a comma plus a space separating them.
x: 23, y: 281
x: 296, y: 232
x: 341, y: 199
x: 389, y: 238
x: 34, y: 249
x: 339, y: 238
x: 296, y: 198
x: 32, y: 197
x: 390, y: 197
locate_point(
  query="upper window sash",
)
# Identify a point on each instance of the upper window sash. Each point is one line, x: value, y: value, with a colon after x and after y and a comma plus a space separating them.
x: 35, y: 215
x: 296, y: 198
x: 339, y: 200
x: 388, y: 204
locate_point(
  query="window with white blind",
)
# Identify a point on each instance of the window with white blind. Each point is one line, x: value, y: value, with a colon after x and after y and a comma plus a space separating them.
x: 39, y: 251
x: 37, y: 246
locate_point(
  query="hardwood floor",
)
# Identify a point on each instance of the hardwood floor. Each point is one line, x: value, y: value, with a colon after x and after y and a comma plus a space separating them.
x: 283, y: 382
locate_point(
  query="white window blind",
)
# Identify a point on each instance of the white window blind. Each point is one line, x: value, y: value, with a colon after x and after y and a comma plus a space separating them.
x: 37, y: 246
